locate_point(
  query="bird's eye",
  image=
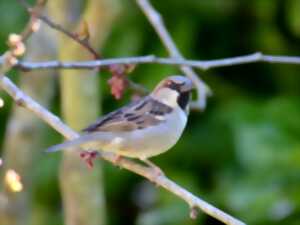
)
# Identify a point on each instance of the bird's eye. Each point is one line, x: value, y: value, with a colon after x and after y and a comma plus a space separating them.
x: 172, y: 85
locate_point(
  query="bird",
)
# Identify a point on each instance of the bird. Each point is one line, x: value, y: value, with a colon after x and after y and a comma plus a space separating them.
x: 142, y: 129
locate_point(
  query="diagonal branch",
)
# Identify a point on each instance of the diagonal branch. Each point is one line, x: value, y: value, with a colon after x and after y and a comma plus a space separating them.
x: 33, y: 24
x: 84, y: 42
x: 193, y: 201
x: 37, y: 14
x: 155, y: 19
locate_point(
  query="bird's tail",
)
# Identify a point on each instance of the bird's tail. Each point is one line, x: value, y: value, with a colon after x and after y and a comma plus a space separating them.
x: 84, y: 139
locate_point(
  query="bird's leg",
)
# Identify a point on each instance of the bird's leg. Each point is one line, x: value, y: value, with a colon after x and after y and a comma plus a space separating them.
x: 158, y: 172
x: 89, y: 157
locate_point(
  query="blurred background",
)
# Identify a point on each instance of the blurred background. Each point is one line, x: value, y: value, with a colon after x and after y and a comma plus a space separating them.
x: 242, y: 154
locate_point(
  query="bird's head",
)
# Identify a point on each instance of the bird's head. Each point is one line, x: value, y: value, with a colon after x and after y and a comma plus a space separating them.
x: 174, y: 91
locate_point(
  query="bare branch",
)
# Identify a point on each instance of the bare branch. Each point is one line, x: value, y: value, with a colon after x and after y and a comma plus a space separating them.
x: 85, y: 43
x: 158, y: 24
x: 246, y: 59
x: 193, y: 201
x: 151, y: 59
x: 138, y: 88
x: 33, y: 24
x: 37, y: 14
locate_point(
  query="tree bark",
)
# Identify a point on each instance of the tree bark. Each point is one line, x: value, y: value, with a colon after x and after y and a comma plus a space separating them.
x: 82, y: 189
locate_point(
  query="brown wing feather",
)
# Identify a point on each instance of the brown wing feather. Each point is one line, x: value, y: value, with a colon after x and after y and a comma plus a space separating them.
x: 137, y: 115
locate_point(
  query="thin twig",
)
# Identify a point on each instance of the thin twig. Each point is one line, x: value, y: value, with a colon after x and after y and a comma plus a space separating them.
x: 193, y: 201
x: 37, y: 14
x: 151, y: 59
x: 15, y: 42
x: 155, y: 19
x: 138, y: 88
x: 33, y: 23
x: 83, y: 42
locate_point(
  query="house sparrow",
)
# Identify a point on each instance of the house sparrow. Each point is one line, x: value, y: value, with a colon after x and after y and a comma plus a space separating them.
x: 142, y: 129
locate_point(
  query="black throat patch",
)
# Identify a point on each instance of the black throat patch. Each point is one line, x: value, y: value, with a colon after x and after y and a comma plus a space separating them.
x: 183, y: 99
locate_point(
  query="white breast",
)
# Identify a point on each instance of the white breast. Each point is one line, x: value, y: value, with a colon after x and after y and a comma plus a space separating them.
x: 156, y: 139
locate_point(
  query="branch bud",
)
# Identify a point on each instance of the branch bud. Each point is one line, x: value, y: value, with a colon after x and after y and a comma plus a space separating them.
x: 19, y: 49
x: 14, y: 39
x: 1, y: 102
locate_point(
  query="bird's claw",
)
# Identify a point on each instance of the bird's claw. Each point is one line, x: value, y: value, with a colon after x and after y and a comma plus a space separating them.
x: 157, y: 172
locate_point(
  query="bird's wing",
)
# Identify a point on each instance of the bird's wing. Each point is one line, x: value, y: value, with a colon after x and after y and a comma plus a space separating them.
x: 141, y: 114
x: 138, y: 115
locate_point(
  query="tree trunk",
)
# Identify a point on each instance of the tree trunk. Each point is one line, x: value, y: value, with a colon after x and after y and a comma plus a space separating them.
x: 82, y: 188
